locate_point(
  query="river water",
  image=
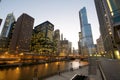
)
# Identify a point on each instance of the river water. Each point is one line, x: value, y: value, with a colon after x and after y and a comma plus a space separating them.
x: 43, y: 70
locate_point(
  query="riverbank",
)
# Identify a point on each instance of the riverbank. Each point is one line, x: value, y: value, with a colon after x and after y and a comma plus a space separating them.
x: 71, y: 69
x: 68, y: 75
x: 43, y: 70
x: 20, y: 64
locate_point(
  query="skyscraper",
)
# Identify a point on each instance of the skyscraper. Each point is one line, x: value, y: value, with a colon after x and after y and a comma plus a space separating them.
x: 100, y: 47
x: 42, y: 39
x: 104, y: 8
x: 57, y: 40
x: 79, y: 43
x: 113, y: 7
x: 7, y: 26
x: 64, y: 47
x: 6, y: 31
x: 87, y: 40
x: 22, y: 33
x: 47, y: 28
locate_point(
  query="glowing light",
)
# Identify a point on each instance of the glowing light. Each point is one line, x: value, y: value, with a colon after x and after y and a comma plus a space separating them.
x: 6, y: 52
x: 21, y: 54
x: 110, y: 7
x: 17, y: 68
x: 46, y: 64
x: 117, y: 54
x: 57, y: 63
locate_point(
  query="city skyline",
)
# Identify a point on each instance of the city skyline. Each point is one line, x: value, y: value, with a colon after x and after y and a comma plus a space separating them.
x: 63, y: 14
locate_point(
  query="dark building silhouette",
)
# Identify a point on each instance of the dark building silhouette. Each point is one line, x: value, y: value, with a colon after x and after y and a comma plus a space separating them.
x: 0, y: 21
x: 22, y: 33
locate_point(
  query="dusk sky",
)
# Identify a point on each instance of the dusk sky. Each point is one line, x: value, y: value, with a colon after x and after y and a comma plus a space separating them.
x: 63, y: 14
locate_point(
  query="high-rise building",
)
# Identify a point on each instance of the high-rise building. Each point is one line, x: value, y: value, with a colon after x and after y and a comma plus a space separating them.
x: 57, y: 40
x: 7, y: 26
x: 5, y: 41
x: 47, y: 28
x: 42, y: 40
x: 0, y: 21
x: 106, y: 19
x: 22, y: 33
x: 100, y: 47
x: 64, y: 47
x: 6, y: 32
x: 87, y: 39
x: 79, y: 44
x: 113, y: 8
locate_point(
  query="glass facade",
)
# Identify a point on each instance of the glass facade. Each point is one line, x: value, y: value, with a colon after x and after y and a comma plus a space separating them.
x: 114, y: 7
x: 7, y: 26
x: 87, y: 40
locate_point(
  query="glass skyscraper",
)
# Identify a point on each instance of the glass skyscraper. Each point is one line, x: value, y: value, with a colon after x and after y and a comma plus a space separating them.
x: 8, y: 25
x: 86, y: 40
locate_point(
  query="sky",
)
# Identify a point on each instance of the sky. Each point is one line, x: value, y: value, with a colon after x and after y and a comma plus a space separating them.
x: 63, y: 14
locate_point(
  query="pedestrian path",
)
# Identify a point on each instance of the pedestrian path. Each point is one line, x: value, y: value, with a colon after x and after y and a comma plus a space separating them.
x: 69, y: 74
x: 90, y: 70
x: 93, y: 69
x: 110, y: 68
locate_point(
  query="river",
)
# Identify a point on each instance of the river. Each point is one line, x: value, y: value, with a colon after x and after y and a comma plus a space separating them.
x: 43, y: 70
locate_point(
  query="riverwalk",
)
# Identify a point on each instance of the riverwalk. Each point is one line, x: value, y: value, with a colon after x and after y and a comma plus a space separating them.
x: 70, y: 74
x: 90, y: 70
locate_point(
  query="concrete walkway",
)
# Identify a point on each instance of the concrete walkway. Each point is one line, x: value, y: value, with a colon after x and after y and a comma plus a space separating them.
x: 69, y: 74
x: 110, y: 68
x: 82, y: 71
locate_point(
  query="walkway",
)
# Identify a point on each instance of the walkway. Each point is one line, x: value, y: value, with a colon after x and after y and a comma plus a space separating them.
x: 82, y: 71
x: 68, y: 75
x: 110, y: 69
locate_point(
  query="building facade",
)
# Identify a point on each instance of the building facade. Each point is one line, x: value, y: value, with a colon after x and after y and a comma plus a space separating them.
x: 6, y: 32
x: 106, y: 26
x: 100, y: 47
x: 7, y: 25
x: 80, y: 44
x: 86, y: 32
x: 47, y: 28
x: 64, y: 47
x: 22, y: 33
x: 56, y: 39
x: 113, y: 9
x: 42, y: 39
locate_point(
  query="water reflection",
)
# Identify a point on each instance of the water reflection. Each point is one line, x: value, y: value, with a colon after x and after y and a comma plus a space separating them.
x: 27, y: 72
